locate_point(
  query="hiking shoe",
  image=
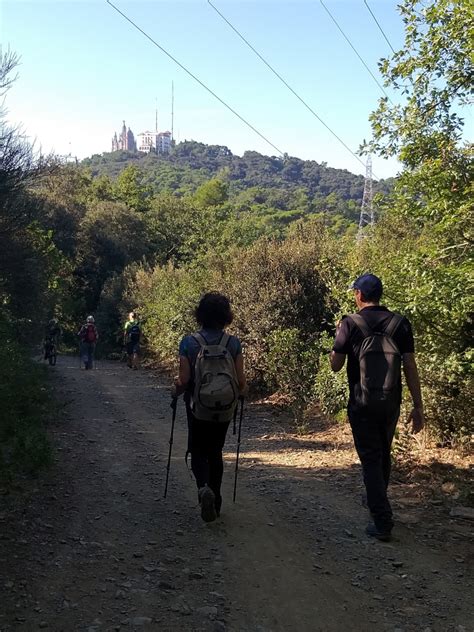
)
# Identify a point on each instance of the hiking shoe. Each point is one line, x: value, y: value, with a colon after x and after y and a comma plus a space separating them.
x: 218, y: 505
x: 372, y: 531
x: 207, y: 502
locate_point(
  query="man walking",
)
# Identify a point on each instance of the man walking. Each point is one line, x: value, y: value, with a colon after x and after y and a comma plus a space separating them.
x: 377, y: 342
x: 131, y: 339
x: 88, y: 335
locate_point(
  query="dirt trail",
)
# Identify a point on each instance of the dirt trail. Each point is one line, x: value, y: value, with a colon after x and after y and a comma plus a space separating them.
x: 93, y: 546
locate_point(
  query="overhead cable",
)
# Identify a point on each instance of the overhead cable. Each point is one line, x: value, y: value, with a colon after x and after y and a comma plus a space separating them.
x: 380, y: 28
x: 201, y: 83
x: 277, y: 74
x: 354, y: 49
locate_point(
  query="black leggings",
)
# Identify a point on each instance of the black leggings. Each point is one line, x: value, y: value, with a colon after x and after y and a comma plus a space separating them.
x: 205, y: 442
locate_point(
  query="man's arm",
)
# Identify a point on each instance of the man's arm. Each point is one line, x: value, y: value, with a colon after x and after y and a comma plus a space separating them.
x: 337, y: 356
x: 337, y: 361
x: 413, y: 382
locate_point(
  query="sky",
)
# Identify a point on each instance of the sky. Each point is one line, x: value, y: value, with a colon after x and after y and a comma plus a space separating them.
x: 84, y: 70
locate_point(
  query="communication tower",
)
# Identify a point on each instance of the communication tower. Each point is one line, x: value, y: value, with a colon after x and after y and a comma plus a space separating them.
x: 367, y: 207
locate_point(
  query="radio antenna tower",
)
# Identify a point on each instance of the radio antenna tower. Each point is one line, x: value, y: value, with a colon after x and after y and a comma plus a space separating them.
x: 172, y: 111
x: 367, y: 208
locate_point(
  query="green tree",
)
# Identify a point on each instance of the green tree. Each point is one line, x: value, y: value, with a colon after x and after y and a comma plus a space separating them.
x: 130, y: 189
x: 426, y: 227
x: 212, y: 193
x: 111, y: 236
x: 434, y: 73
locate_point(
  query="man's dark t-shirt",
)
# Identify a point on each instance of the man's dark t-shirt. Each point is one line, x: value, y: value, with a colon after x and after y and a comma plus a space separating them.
x: 349, y: 338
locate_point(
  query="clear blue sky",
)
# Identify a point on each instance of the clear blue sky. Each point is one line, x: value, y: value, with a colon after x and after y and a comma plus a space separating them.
x: 84, y: 70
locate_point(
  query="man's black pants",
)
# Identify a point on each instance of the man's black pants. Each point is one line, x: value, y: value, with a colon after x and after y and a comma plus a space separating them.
x: 373, y: 435
x: 205, y: 443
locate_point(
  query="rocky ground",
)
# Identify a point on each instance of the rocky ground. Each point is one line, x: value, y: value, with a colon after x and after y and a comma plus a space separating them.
x: 92, y: 545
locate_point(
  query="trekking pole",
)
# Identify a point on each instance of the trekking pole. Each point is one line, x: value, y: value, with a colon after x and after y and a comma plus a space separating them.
x: 238, y: 448
x: 235, y: 420
x: 174, y: 405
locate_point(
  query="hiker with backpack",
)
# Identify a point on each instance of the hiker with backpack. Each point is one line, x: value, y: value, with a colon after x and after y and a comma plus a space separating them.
x: 52, y: 334
x: 131, y: 340
x: 377, y: 343
x: 211, y: 376
x: 88, y: 335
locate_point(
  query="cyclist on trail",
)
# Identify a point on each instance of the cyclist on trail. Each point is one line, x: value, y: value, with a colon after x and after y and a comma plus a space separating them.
x: 89, y: 336
x: 52, y: 332
x: 131, y: 340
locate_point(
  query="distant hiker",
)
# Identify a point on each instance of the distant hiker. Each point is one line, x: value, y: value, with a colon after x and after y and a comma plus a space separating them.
x: 89, y: 336
x: 211, y: 375
x: 131, y: 340
x: 377, y: 342
x: 52, y: 333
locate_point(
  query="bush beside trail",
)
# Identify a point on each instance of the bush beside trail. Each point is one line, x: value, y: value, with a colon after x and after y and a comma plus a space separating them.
x: 26, y: 405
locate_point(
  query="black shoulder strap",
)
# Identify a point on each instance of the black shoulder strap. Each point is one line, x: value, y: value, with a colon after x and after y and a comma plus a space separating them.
x: 393, y: 325
x: 360, y: 323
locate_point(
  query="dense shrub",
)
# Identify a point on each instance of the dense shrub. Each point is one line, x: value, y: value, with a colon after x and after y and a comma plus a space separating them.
x: 166, y: 298
x: 278, y: 285
x: 291, y: 368
x: 330, y: 389
x: 431, y: 284
x: 25, y: 405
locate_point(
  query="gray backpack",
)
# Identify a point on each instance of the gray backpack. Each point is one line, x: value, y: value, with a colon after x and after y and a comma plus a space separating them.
x: 379, y: 389
x: 216, y: 388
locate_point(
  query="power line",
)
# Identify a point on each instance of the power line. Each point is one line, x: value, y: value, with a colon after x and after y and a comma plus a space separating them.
x: 380, y: 28
x: 194, y: 77
x: 270, y: 67
x: 355, y: 50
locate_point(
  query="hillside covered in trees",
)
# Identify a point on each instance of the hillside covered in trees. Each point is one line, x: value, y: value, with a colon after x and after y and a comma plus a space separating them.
x: 123, y: 231
x: 281, y: 183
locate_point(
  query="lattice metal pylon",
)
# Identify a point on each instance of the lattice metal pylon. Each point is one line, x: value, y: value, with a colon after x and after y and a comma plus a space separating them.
x: 367, y: 207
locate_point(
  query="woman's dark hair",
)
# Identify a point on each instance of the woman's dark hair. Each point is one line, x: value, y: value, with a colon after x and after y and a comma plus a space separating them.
x: 213, y: 311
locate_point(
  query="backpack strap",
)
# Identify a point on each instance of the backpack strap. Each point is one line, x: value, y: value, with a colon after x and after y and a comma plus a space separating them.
x: 225, y: 339
x: 200, y: 339
x: 393, y: 325
x: 361, y: 324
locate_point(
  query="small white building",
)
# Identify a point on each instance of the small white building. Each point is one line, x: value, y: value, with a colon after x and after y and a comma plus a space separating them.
x: 157, y: 142
x: 164, y: 142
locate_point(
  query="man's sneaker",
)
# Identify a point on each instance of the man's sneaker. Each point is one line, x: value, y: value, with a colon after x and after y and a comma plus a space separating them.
x: 207, y: 502
x: 373, y: 532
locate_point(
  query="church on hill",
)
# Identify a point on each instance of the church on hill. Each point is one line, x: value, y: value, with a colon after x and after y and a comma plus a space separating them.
x: 125, y: 141
x: 147, y: 142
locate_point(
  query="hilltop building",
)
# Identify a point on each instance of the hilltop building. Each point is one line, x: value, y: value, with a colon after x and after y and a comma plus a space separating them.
x: 125, y: 141
x: 157, y: 142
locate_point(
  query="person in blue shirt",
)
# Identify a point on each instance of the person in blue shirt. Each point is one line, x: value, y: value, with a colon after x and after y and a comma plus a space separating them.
x: 206, y: 438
